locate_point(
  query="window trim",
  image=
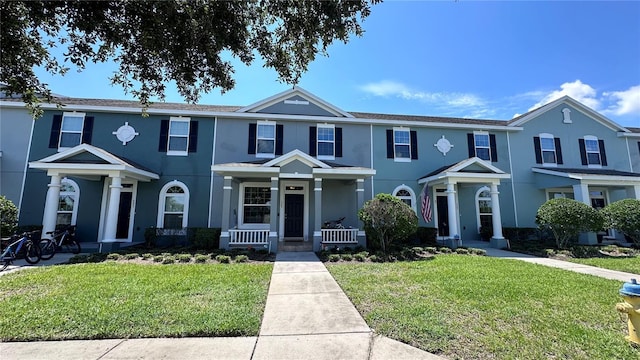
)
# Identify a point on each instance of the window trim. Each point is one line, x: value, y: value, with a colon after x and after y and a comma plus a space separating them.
x: 81, y: 132
x: 162, y: 197
x: 184, y: 152
x: 408, y: 144
x: 412, y: 196
x: 587, y: 152
x: 542, y: 150
x: 76, y: 194
x: 258, y: 138
x: 241, y: 223
x: 477, y: 204
x: 488, y: 147
x: 325, y: 157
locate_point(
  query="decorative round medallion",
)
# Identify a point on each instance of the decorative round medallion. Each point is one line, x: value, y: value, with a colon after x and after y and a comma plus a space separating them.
x: 443, y: 145
x: 125, y: 133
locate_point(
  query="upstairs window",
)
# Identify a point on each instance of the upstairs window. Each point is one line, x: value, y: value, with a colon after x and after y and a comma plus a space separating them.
x: 265, y: 139
x: 325, y: 141
x: 548, y: 150
x: 70, y: 129
x: 482, y: 145
x: 402, y: 144
x: 178, y: 136
x: 592, y: 151
x: 173, y: 206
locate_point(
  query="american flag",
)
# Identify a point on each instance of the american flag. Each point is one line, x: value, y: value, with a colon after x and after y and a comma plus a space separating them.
x: 426, y: 203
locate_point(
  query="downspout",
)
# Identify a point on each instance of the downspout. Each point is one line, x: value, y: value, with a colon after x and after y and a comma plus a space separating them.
x: 371, y: 147
x: 513, y: 183
x: 213, y: 161
x: 26, y: 166
x: 629, y: 155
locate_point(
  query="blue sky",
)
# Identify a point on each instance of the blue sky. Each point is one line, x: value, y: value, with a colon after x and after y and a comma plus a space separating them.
x: 478, y: 59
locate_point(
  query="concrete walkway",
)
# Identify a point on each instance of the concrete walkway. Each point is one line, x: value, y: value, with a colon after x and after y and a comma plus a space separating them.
x: 307, y: 316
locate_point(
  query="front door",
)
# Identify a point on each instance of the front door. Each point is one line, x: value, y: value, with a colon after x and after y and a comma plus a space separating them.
x: 124, y: 215
x: 442, y: 204
x: 294, y: 215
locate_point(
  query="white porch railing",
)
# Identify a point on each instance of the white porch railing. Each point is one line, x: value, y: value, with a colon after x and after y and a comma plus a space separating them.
x: 339, y: 236
x: 248, y: 237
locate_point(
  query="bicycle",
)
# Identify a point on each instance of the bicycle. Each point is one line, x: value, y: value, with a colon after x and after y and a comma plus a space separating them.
x: 63, y: 239
x: 23, y: 244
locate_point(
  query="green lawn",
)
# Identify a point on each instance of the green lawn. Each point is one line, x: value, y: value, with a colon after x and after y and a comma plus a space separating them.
x: 115, y: 300
x: 486, y: 308
x: 630, y: 264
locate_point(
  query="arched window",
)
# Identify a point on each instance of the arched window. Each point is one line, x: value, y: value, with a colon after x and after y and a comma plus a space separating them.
x: 483, y: 208
x: 68, y: 202
x: 406, y: 194
x: 173, y: 206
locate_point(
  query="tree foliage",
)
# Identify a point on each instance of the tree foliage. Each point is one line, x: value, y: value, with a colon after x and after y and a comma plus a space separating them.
x: 567, y: 218
x: 155, y: 42
x: 624, y: 215
x: 388, y: 219
x: 8, y: 216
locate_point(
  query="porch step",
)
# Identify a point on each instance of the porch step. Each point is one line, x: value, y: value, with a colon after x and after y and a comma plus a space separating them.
x: 295, y: 246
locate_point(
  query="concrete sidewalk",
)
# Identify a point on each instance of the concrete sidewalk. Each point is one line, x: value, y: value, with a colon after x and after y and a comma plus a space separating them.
x: 58, y: 258
x: 307, y: 316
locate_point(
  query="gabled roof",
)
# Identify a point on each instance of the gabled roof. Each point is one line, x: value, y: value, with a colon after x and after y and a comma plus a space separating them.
x: 296, y: 155
x: 472, y: 168
x: 520, y: 120
x: 100, y: 162
x: 283, y: 96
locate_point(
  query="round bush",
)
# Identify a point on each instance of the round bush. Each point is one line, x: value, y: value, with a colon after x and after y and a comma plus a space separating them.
x: 183, y: 258
x: 201, y: 258
x: 624, y: 215
x: 567, y: 218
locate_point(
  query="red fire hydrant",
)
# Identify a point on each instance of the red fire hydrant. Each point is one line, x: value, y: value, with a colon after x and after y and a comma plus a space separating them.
x: 631, y: 306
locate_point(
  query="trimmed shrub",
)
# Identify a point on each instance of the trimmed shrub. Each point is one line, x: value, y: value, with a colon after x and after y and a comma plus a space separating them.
x: 147, y: 256
x: 78, y: 259
x: 431, y: 250
x: 360, y: 256
x: 201, y: 258
x: 334, y: 257
x: 444, y: 250
x: 224, y: 259
x: 567, y: 218
x: 183, y: 258
x: 624, y: 215
x: 241, y: 258
x: 8, y: 216
x: 388, y: 219
x: 462, y: 251
x: 205, y: 238
x: 476, y: 251
x: 169, y: 260
x: 158, y: 258
x: 113, y: 256
x: 131, y: 256
x: 346, y: 257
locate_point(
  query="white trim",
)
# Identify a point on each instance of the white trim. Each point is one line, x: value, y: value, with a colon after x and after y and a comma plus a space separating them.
x: 71, y: 114
x: 587, y: 152
x: 296, y: 155
x: 295, y: 176
x: 325, y: 157
x: 213, y: 161
x: 76, y: 199
x: 408, y: 131
x: 412, y: 195
x: 542, y: 150
x: 513, y: 182
x: 373, y: 194
x: 591, y: 178
x: 179, y: 119
x: 104, y: 206
x: 475, y: 144
x: 275, y: 135
x: 241, y: 224
x: 576, y: 105
x: 629, y: 155
x: 477, y: 204
x: 305, y: 217
x: 162, y: 197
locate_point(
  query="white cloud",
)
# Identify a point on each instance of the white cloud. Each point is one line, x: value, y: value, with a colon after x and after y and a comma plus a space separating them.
x: 625, y: 102
x: 388, y: 88
x: 579, y: 91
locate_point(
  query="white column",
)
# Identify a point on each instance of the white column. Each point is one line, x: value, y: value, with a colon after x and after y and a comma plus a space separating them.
x: 581, y: 193
x: 451, y: 207
x: 112, y: 211
x: 633, y: 192
x: 50, y: 216
x: 495, y: 212
x: 317, y: 193
x: 273, y: 219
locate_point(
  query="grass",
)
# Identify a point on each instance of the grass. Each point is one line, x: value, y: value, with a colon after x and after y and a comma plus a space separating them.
x: 116, y: 300
x: 626, y: 264
x: 486, y: 308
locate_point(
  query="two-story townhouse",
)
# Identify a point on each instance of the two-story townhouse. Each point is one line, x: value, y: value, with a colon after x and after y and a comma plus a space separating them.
x: 277, y: 170
x: 568, y: 150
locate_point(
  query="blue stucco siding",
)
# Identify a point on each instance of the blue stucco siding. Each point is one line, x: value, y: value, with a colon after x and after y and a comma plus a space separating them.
x: 15, y: 131
x: 297, y: 105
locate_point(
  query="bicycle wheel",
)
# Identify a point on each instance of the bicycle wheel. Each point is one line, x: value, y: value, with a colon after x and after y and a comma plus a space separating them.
x: 32, y: 253
x: 73, y: 246
x: 47, y: 249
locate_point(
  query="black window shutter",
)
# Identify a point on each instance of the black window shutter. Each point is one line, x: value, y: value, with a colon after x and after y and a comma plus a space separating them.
x: 583, y: 152
x: 414, y: 145
x: 494, y: 149
x: 638, y: 148
x: 279, y: 138
x: 252, y: 139
x: 164, y: 136
x: 603, y: 154
x: 390, y: 144
x: 87, y: 130
x: 193, y: 136
x: 472, y: 145
x: 537, y: 149
x: 338, y: 142
x: 312, y: 141
x: 55, y: 131
x: 558, y: 151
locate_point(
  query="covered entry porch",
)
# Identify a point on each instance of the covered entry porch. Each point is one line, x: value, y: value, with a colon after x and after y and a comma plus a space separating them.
x: 444, y: 185
x: 289, y: 199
